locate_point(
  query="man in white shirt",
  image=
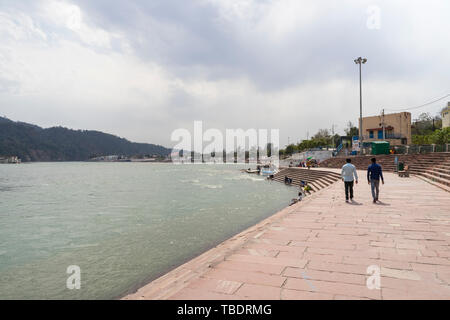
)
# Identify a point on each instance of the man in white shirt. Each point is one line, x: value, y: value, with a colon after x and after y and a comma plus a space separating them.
x: 348, y: 176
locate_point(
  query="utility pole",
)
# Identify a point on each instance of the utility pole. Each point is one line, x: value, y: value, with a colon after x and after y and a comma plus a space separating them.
x: 383, y: 125
x: 360, y: 61
x: 332, y: 132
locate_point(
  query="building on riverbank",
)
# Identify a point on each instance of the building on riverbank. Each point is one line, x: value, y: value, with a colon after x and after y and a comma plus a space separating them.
x: 11, y: 159
x: 446, y: 116
x: 393, y: 127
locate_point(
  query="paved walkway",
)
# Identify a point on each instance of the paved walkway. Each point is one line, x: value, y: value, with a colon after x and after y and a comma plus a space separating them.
x: 321, y: 249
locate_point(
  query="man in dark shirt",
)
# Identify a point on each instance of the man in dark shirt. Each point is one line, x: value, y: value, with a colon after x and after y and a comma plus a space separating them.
x: 374, y: 174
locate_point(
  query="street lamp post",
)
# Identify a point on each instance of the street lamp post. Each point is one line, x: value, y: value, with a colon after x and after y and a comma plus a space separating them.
x: 360, y: 61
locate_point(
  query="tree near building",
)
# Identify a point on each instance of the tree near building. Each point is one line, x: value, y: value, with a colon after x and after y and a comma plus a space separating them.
x: 441, y: 136
x: 425, y: 124
x: 351, y: 130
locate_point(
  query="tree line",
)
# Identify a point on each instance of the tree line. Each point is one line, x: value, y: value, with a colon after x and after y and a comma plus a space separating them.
x: 32, y: 143
x: 427, y: 129
x: 322, y: 139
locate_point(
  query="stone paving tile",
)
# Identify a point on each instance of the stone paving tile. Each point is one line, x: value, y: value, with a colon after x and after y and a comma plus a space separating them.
x: 258, y: 252
x: 270, y: 247
x: 430, y: 286
x: 433, y: 260
x: 400, y: 274
x: 201, y: 294
x: 338, y: 267
x: 443, y: 253
x: 287, y: 294
x: 287, y: 255
x: 444, y: 277
x: 405, y: 293
x: 322, y: 257
x: 342, y: 297
x: 253, y: 267
x: 286, y: 234
x: 324, y: 244
x: 324, y: 275
x: 278, y: 242
x: 216, y: 285
x: 321, y: 249
x: 382, y: 263
x: 246, y: 277
x: 258, y: 292
x: 332, y: 288
x: 429, y: 267
x: 369, y: 253
x: 290, y: 262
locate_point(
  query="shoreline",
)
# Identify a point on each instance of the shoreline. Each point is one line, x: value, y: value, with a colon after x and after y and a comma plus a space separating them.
x: 178, y: 278
x: 330, y: 243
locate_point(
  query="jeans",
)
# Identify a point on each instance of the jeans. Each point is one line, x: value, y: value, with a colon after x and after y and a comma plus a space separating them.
x: 348, y: 187
x: 375, y: 186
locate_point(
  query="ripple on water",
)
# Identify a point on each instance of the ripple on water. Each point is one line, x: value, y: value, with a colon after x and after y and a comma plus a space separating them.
x: 167, y: 215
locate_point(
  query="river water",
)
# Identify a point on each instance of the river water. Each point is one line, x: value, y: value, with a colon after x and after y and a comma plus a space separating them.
x: 122, y: 224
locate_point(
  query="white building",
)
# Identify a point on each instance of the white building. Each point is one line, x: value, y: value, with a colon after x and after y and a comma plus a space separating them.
x: 446, y: 116
x: 13, y: 159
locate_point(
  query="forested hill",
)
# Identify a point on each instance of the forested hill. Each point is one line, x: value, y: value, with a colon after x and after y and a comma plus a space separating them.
x: 33, y: 143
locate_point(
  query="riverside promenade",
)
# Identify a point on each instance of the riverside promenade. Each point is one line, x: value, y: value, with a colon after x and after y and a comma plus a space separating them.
x: 321, y: 248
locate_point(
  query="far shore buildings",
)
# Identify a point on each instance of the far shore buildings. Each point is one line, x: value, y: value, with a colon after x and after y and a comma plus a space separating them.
x: 12, y: 159
x: 393, y: 127
x: 446, y: 116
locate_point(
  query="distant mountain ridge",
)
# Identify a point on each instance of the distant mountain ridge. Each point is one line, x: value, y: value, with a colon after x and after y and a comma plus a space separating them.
x: 33, y: 143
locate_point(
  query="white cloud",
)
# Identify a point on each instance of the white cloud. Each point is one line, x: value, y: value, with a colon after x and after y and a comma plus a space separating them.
x: 270, y: 20
x: 250, y: 64
x: 19, y: 26
x: 64, y: 14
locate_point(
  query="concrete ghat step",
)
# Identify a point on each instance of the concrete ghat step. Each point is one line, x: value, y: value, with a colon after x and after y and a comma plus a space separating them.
x: 439, y: 185
x: 316, y: 179
x: 417, y: 163
x: 441, y: 170
x: 434, y: 178
x: 438, y: 174
x: 310, y: 179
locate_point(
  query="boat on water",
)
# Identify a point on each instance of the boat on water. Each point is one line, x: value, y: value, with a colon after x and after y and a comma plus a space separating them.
x: 252, y: 171
x: 268, y: 170
x: 263, y: 170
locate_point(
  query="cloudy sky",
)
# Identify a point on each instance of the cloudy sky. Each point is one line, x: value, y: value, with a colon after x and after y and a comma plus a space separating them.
x: 141, y: 69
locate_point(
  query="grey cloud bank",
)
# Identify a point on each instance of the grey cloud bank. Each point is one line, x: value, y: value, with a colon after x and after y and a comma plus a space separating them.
x: 141, y: 69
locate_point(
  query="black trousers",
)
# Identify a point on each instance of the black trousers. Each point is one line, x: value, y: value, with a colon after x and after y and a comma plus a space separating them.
x: 348, y: 187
